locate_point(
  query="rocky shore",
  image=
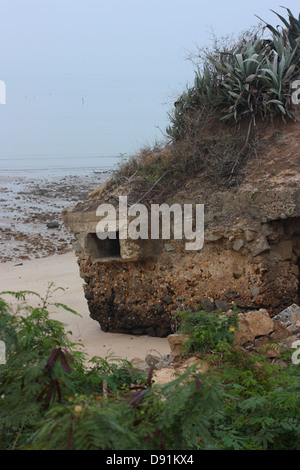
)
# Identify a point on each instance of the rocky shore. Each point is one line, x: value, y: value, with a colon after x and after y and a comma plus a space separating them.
x: 30, y: 212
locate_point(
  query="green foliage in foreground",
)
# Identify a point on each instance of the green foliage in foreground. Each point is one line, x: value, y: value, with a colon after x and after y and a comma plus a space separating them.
x: 52, y: 398
x: 207, y: 330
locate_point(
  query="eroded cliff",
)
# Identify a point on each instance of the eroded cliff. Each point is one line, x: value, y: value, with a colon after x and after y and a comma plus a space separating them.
x: 251, y: 251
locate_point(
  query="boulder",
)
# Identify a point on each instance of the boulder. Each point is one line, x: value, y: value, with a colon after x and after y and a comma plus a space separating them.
x: 238, y: 244
x: 222, y: 305
x: 176, y: 342
x: 253, y: 324
x: 52, y: 225
x: 290, y: 317
x: 170, y: 373
x: 207, y: 305
x: 260, y: 247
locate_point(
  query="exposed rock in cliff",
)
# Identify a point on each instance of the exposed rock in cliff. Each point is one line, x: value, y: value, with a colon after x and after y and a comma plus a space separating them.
x: 251, y: 251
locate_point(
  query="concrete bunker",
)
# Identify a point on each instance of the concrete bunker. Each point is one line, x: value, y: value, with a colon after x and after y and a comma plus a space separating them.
x: 251, y: 251
x: 98, y: 249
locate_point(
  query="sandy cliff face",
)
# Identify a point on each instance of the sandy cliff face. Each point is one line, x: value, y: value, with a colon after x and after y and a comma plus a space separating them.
x: 250, y: 256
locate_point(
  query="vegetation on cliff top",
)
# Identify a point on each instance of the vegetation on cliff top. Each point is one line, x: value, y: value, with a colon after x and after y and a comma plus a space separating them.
x: 252, y: 78
x: 212, y: 126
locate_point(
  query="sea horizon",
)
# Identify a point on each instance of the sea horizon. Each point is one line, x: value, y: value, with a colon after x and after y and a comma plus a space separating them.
x: 56, y: 166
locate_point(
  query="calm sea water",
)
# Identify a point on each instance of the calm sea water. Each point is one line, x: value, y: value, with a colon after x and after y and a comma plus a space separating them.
x: 57, y: 166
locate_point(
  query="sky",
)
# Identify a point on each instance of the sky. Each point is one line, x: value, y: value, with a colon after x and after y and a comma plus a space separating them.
x: 99, y: 77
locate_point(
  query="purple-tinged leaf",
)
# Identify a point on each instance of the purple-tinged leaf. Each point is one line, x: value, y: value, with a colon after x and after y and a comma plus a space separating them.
x: 136, y: 398
x: 197, y: 383
x: 49, y: 394
x: 52, y: 357
x: 42, y: 393
x: 150, y: 375
x: 71, y: 358
x: 64, y: 363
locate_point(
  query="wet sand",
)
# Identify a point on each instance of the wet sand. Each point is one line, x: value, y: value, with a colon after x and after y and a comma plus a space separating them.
x: 32, y: 255
x: 28, y: 205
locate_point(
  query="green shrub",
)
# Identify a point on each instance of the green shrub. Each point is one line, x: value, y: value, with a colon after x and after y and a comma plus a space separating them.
x: 261, y: 411
x: 51, y: 398
x: 170, y: 416
x: 206, y: 330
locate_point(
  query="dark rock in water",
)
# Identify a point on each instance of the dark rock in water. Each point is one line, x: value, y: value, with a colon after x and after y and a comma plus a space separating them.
x: 42, y: 192
x: 52, y: 225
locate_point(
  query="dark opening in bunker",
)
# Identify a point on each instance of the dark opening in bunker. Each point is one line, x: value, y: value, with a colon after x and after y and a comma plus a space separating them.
x: 103, y: 249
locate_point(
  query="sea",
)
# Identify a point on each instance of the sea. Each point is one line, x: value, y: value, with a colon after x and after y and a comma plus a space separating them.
x: 56, y: 167
x: 35, y: 190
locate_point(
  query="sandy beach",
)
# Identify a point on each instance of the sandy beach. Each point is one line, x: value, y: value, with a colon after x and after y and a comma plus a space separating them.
x: 62, y: 269
x: 32, y: 255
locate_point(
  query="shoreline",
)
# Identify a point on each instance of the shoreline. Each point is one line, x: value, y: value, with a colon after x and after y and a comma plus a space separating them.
x: 63, y: 270
x: 32, y: 255
x: 29, y: 204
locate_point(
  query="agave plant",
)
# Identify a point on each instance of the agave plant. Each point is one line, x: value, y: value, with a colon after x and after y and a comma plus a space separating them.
x: 239, y: 79
x: 254, y: 78
x: 292, y: 31
x: 276, y: 78
x: 206, y: 86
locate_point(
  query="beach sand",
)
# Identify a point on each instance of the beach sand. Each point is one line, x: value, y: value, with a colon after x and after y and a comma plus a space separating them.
x: 32, y: 255
x: 63, y: 270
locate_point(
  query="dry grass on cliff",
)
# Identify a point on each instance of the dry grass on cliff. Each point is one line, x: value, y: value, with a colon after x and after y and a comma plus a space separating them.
x: 213, y: 151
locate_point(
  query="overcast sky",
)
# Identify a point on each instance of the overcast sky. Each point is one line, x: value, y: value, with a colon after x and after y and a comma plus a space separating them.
x: 98, y: 77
